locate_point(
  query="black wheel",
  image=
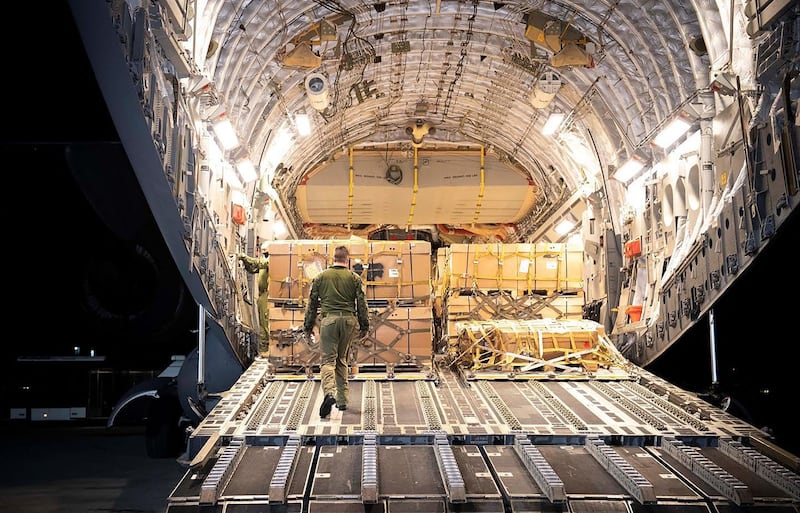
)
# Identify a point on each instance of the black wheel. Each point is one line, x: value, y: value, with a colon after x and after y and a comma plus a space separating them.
x: 164, y: 433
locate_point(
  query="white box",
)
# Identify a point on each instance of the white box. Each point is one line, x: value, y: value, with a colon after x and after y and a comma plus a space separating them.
x: 18, y: 414
x: 45, y: 414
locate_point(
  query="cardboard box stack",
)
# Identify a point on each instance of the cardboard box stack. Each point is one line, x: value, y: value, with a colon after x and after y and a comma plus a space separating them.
x: 508, y: 281
x: 518, y: 269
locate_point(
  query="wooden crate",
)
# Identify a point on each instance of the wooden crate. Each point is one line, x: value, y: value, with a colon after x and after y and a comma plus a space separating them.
x: 285, y: 348
x: 292, y: 266
x: 563, y: 306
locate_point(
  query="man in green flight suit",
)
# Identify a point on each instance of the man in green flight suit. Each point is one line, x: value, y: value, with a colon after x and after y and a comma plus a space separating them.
x: 261, y: 266
x: 338, y: 293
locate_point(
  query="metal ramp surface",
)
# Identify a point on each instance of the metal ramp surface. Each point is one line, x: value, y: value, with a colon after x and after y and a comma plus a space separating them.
x: 452, y: 444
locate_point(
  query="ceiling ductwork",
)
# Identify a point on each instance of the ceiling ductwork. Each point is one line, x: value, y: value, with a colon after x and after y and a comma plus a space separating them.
x: 568, y: 45
x: 419, y: 130
x: 545, y: 89
x: 317, y: 91
x: 303, y: 57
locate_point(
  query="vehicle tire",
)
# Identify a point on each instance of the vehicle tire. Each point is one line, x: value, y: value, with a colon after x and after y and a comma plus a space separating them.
x: 164, y: 434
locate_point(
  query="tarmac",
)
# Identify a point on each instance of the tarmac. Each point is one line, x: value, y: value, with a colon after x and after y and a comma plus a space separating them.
x: 82, y: 469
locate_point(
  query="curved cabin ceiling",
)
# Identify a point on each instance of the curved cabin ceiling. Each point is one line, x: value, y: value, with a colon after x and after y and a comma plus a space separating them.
x: 383, y: 80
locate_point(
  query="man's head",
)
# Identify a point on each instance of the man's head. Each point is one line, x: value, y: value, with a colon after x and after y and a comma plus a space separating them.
x: 341, y: 255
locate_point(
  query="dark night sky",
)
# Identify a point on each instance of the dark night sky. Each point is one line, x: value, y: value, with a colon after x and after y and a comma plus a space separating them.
x: 758, y: 345
x: 82, y: 253
x: 80, y: 282
x: 72, y: 250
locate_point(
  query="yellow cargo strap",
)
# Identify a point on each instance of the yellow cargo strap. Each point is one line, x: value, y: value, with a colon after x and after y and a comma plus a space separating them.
x: 415, y: 189
x: 350, y: 193
x: 498, y: 271
x: 530, y: 276
x: 481, y: 189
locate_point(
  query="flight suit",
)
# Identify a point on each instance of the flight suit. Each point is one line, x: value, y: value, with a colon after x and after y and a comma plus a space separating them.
x: 261, y: 266
x: 339, y: 295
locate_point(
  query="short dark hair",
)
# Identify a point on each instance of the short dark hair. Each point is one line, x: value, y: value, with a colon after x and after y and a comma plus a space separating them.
x: 340, y: 254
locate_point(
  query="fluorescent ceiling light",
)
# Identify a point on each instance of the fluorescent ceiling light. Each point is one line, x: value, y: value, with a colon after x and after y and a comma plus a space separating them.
x: 238, y: 197
x: 279, y: 228
x: 230, y: 177
x: 689, y: 145
x: 247, y: 170
x: 552, y: 123
x: 575, y: 239
x: 277, y: 148
x: 628, y: 170
x: 226, y: 134
x: 564, y: 227
x: 303, y: 123
x: 670, y: 133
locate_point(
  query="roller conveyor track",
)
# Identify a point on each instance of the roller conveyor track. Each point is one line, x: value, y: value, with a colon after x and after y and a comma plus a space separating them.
x: 452, y: 444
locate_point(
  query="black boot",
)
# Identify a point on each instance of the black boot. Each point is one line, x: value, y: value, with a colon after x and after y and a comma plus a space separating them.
x: 327, y: 404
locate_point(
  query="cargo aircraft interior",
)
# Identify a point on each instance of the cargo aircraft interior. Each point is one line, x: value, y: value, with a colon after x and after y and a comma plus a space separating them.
x: 543, y: 200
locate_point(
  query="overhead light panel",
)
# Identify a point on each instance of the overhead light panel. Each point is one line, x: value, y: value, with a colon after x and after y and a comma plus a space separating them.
x: 552, y: 123
x: 230, y: 177
x: 238, y: 197
x: 303, y: 123
x: 672, y: 132
x: 247, y: 170
x: 225, y: 133
x: 691, y: 144
x: 277, y: 148
x: 629, y: 169
x: 279, y: 228
x: 564, y: 227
